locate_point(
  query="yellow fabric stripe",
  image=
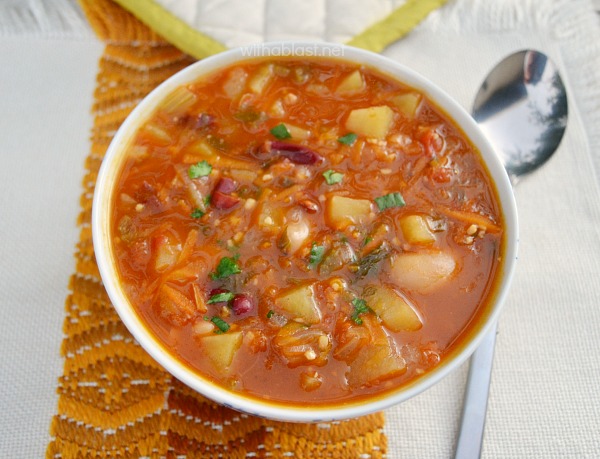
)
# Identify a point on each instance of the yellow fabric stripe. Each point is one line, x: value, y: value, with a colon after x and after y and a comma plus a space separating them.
x: 173, y: 29
x: 375, y: 38
x: 390, y: 29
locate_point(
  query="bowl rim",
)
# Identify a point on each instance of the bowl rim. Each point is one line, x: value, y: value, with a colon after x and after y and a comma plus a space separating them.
x: 104, y: 191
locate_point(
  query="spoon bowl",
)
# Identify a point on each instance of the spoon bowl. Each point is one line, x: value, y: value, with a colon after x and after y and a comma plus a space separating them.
x: 522, y: 108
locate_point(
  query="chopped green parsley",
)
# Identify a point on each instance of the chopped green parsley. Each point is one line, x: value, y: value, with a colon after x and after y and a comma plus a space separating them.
x: 201, y: 169
x: 224, y: 297
x: 221, y: 325
x: 281, y: 132
x: 197, y: 213
x: 332, y: 177
x: 360, y: 307
x: 389, y: 201
x: 316, y: 254
x: 348, y: 139
x: 226, y: 267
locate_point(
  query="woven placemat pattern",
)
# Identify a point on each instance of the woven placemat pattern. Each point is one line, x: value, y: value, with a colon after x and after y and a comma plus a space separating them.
x: 114, y: 400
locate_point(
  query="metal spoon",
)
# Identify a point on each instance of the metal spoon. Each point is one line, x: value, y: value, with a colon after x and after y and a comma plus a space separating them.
x: 522, y: 108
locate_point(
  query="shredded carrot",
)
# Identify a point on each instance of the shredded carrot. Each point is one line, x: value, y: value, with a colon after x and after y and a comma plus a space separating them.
x: 282, y: 195
x: 176, y: 304
x: 199, y: 299
x: 188, y: 272
x: 471, y: 218
x: 376, y: 333
x: 356, y: 152
x: 418, y: 169
x: 217, y: 160
x: 188, y: 245
x: 264, y: 195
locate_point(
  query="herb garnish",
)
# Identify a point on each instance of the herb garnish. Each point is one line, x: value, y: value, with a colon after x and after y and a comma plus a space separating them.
x: 221, y: 325
x: 281, y: 132
x: 224, y: 297
x: 348, y: 139
x: 372, y: 260
x: 270, y: 313
x: 360, y: 307
x: 332, y: 177
x: 316, y: 254
x: 201, y: 169
x: 197, y: 213
x: 390, y: 200
x: 226, y: 267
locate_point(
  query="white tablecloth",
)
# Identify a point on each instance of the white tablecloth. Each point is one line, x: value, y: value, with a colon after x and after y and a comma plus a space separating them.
x: 545, y: 395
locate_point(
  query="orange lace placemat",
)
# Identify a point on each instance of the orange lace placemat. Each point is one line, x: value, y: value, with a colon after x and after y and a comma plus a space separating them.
x: 114, y: 400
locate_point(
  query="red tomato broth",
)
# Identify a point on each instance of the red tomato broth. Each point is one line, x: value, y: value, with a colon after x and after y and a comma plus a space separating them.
x: 430, y: 162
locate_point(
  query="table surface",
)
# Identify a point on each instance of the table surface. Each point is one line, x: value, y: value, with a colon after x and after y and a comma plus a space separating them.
x: 545, y: 395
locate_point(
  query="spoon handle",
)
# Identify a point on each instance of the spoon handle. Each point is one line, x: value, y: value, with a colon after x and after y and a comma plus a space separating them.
x: 470, y: 436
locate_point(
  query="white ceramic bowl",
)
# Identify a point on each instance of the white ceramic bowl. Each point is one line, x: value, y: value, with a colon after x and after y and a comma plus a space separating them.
x: 105, y: 189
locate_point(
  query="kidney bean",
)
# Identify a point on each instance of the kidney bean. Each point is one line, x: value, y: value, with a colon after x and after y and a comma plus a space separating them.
x: 221, y: 200
x: 298, y: 154
x: 226, y: 185
x: 242, y: 304
x: 221, y: 197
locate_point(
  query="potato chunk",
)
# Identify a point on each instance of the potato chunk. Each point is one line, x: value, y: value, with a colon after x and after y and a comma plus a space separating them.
x: 394, y: 310
x: 221, y: 349
x: 300, y: 302
x: 156, y: 134
x: 261, y: 78
x: 179, y: 101
x: 352, y: 84
x: 375, y: 363
x: 202, y: 149
x: 422, y: 271
x: 371, y: 122
x: 415, y: 230
x: 342, y: 211
x: 235, y: 82
x: 407, y: 103
x: 167, y: 253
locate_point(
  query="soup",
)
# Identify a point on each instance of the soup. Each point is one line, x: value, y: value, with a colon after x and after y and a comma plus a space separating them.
x: 305, y: 230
